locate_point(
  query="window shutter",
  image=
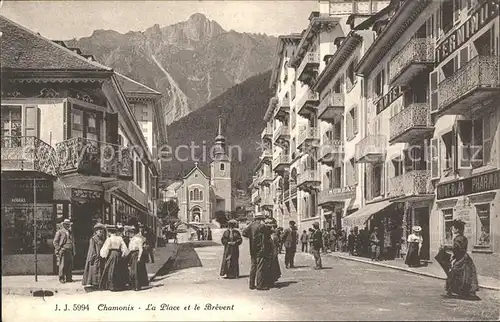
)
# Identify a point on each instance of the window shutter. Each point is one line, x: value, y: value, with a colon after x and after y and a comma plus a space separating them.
x: 489, y: 126
x: 31, y: 120
x: 67, y: 120
x: 434, y: 158
x: 355, y: 120
x: 464, y: 138
x: 112, y: 128
x: 433, y: 87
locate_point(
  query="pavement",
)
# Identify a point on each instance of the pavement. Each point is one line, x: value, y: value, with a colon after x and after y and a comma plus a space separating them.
x: 343, y: 290
x: 431, y: 269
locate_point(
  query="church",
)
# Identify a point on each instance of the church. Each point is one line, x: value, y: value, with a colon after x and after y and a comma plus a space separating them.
x: 201, y: 196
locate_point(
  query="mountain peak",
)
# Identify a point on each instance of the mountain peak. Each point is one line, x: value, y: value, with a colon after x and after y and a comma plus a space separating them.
x: 198, y: 17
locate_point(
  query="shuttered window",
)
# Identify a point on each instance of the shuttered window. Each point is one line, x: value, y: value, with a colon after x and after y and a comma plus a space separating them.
x: 434, y: 98
x: 434, y: 158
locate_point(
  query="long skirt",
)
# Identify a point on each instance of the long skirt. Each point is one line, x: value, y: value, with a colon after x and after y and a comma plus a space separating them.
x: 412, y: 257
x: 230, y: 266
x: 114, y: 275
x: 462, y: 278
x: 274, y: 270
x: 138, y: 272
x: 93, y: 272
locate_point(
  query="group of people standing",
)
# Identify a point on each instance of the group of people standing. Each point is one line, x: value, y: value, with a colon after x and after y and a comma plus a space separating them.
x: 204, y: 234
x: 116, y: 258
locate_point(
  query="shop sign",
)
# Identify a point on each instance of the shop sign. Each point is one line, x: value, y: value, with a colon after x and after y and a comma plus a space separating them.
x: 22, y: 190
x: 475, y: 184
x: 486, y: 12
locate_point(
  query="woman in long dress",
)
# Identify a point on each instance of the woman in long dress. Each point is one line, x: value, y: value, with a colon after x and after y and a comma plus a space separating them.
x: 274, y: 265
x: 94, y: 264
x: 138, y: 271
x: 231, y: 239
x: 114, y: 276
x: 462, y: 277
x: 415, y: 241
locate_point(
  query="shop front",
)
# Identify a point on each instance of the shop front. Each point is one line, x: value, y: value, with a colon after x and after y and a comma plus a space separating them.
x: 476, y: 201
x: 20, y: 214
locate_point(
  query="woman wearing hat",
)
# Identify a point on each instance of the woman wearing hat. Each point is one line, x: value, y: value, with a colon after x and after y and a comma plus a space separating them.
x: 231, y: 239
x: 415, y: 241
x: 462, y: 276
x: 94, y: 264
x: 114, y: 276
x: 138, y: 271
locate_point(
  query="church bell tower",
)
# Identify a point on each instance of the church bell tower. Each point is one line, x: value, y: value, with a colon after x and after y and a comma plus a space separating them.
x: 220, y: 172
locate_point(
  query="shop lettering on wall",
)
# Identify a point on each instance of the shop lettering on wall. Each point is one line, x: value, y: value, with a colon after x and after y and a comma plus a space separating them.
x: 486, y: 12
x: 21, y: 191
x: 479, y: 183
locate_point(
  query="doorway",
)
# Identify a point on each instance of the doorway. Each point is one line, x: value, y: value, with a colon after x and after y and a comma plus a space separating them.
x: 84, y: 217
x: 422, y: 220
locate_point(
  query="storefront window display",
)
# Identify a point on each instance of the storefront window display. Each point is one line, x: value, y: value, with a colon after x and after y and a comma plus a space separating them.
x: 17, y: 229
x: 483, y: 225
x: 448, y: 221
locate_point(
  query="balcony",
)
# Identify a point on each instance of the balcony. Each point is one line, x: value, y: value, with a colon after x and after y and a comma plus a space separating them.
x: 308, y: 179
x: 332, y: 107
x: 331, y: 151
x: 265, y: 179
x: 281, y: 162
x: 267, y: 202
x: 267, y: 133
x: 472, y: 84
x: 255, y: 196
x: 281, y: 134
x: 307, y: 103
x: 412, y: 186
x: 331, y: 196
x: 415, y: 57
x: 266, y: 155
x: 100, y: 159
x: 282, y: 109
x: 291, y: 192
x: 28, y: 153
x: 371, y: 149
x: 307, y: 136
x: 308, y: 66
x: 411, y: 123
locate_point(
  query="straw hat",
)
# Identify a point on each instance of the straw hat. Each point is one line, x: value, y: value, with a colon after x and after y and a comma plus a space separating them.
x: 259, y: 216
x: 417, y: 229
x: 67, y: 222
x: 99, y: 226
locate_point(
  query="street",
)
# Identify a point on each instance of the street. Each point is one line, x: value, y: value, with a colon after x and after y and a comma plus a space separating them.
x: 343, y: 290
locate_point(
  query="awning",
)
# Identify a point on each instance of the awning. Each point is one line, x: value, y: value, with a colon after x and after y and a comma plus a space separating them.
x: 360, y: 217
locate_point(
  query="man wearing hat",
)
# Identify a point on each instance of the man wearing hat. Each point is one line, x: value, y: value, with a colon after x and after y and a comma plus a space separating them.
x: 290, y: 241
x: 316, y: 245
x: 375, y: 244
x: 64, y: 250
x: 258, y: 235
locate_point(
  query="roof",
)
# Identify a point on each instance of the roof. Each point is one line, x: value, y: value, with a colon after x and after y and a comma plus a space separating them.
x: 131, y: 86
x: 174, y: 186
x: 280, y: 44
x: 193, y: 170
x: 22, y: 49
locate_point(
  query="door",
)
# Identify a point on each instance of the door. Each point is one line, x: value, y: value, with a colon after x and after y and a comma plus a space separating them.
x: 84, y: 217
x: 422, y: 220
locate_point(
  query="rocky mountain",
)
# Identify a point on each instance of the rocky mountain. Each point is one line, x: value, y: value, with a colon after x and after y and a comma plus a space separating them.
x: 242, y: 108
x: 190, y: 62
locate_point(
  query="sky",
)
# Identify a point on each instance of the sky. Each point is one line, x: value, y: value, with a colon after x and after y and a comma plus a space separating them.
x: 69, y: 19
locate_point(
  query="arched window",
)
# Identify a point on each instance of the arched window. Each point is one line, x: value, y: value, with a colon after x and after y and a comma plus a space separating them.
x: 196, y: 194
x: 222, y: 166
x: 191, y: 195
x: 201, y: 195
x: 196, y: 214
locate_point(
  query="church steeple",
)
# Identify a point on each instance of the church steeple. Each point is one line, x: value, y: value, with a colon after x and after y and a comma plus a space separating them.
x: 220, y: 143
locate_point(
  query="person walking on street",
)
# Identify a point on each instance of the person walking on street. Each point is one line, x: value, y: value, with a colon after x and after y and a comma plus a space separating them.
x: 375, y: 245
x: 333, y: 239
x: 290, y: 241
x: 326, y: 240
x: 350, y: 242
x: 150, y: 245
x: 259, y: 237
x: 115, y: 274
x: 231, y: 239
x: 65, y: 250
x: 94, y: 263
x: 138, y: 272
x: 304, y: 239
x: 317, y: 244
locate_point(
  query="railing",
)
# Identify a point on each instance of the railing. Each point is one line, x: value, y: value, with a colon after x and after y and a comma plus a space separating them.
x: 28, y: 153
x: 308, y: 97
x: 281, y: 159
x: 280, y: 131
x: 417, y: 50
x: 266, y: 154
x: 309, y: 58
x: 293, y: 189
x: 308, y: 176
x: 267, y: 201
x: 308, y: 133
x: 413, y: 116
x: 285, y: 101
x: 412, y: 183
x: 331, y: 146
x: 94, y: 157
x: 268, y: 131
x: 266, y: 176
x: 481, y: 71
x: 371, y: 144
x: 255, y: 196
x: 332, y: 100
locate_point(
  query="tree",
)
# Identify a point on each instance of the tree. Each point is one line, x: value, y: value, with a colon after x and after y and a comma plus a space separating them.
x: 169, y: 209
x: 221, y: 217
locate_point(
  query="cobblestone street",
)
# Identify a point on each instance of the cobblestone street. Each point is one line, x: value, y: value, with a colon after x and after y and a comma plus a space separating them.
x: 344, y: 290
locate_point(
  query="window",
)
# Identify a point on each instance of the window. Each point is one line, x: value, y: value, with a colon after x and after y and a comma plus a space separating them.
x: 222, y: 167
x: 448, y: 222
x: 397, y: 164
x: 448, y: 157
x: 338, y: 87
x: 446, y: 18
x: 354, y: 117
x: 196, y: 194
x: 354, y: 170
x: 483, y: 225
x: 377, y: 180
x: 138, y: 173
x: 11, y: 125
x: 77, y: 123
x: 350, y: 75
x: 314, y: 204
x: 485, y: 45
x: 337, y: 177
x: 472, y: 134
x: 84, y: 124
x: 378, y: 84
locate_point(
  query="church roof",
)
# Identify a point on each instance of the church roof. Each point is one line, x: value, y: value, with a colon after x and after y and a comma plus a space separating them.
x: 174, y: 186
x: 23, y: 49
x: 193, y: 170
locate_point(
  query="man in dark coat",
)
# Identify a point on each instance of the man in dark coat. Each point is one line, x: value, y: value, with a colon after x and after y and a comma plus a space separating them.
x: 259, y: 236
x: 290, y: 240
x: 316, y: 245
x: 65, y: 250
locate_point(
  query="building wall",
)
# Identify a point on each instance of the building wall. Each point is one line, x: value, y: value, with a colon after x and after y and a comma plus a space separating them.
x: 221, y: 183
